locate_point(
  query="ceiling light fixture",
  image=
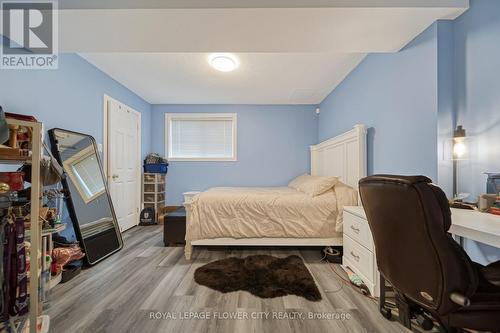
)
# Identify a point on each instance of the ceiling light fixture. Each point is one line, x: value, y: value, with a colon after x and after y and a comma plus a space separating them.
x: 224, y: 62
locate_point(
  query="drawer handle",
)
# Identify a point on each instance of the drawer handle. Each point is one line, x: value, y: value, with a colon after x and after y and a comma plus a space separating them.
x: 356, y: 230
x: 355, y: 256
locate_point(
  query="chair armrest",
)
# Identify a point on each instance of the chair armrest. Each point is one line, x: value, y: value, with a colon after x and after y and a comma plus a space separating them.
x: 459, y: 299
x: 492, y: 273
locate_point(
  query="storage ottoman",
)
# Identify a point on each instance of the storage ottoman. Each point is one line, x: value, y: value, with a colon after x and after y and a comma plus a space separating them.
x: 174, y: 227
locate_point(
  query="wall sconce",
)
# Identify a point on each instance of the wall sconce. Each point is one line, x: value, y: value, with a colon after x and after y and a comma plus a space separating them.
x: 460, y: 147
x: 460, y: 151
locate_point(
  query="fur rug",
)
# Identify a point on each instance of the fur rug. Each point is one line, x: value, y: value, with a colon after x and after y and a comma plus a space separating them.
x: 262, y: 275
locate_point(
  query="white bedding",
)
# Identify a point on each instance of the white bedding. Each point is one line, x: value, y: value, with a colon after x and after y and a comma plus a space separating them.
x: 274, y: 212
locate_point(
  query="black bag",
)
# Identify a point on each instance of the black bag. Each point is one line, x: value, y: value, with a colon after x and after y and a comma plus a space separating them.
x: 148, y: 216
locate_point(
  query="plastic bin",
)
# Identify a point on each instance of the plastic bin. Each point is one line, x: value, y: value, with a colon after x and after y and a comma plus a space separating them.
x: 156, y: 168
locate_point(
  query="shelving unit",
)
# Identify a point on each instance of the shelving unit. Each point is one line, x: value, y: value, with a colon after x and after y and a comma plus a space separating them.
x: 153, y: 190
x: 57, y: 229
x: 35, y: 229
x: 14, y: 160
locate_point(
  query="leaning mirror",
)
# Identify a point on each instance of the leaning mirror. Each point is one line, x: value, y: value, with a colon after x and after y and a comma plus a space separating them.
x: 89, y: 203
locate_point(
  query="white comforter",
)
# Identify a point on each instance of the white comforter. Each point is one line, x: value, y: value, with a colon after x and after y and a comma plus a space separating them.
x: 255, y: 212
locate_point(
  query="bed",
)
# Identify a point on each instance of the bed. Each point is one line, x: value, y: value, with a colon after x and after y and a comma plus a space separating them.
x: 282, y: 216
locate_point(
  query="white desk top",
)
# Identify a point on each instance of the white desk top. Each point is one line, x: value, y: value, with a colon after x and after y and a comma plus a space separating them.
x: 471, y: 224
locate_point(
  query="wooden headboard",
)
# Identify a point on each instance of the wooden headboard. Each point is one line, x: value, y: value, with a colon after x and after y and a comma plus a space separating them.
x: 343, y: 156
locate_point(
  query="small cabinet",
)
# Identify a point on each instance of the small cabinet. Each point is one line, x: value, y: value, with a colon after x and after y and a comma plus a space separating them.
x: 153, y: 191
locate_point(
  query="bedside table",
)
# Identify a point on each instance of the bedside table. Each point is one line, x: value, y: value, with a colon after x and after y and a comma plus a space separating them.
x: 359, y: 251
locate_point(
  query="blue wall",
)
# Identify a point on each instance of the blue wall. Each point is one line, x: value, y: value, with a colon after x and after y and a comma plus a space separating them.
x: 446, y: 104
x: 475, y: 62
x: 477, y: 89
x: 413, y: 100
x: 70, y: 97
x: 272, y: 140
x: 396, y: 96
x: 273, y: 147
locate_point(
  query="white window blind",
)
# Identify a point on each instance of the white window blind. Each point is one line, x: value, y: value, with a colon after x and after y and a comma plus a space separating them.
x: 88, y: 174
x: 201, y: 136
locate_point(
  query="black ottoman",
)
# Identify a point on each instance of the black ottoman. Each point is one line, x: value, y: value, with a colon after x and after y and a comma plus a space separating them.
x: 174, y: 227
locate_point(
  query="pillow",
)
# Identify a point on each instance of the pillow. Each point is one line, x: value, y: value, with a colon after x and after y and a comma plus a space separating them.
x: 313, y: 185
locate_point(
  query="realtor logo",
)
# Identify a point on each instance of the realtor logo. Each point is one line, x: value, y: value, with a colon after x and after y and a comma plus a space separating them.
x: 29, y: 35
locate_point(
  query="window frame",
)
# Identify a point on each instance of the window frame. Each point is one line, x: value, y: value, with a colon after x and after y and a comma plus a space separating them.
x: 201, y: 116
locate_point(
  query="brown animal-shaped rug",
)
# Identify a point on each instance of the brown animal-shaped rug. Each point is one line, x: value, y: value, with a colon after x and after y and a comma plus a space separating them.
x: 263, y: 276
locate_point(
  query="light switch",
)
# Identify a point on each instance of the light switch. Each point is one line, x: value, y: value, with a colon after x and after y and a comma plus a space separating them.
x: 99, y: 147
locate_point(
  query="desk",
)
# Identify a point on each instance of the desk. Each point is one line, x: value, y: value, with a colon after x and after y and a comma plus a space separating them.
x: 471, y: 224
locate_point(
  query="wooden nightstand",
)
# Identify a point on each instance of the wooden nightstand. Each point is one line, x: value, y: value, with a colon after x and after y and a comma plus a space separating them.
x: 359, y: 251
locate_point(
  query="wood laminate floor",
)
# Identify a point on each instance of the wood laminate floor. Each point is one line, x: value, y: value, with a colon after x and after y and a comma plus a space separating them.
x: 142, y: 287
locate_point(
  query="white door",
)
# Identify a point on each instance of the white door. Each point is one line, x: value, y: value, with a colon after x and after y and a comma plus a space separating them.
x: 123, y: 162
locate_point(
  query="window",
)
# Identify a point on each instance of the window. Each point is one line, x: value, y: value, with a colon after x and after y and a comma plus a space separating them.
x: 200, y: 136
x: 85, y: 173
x: 89, y: 177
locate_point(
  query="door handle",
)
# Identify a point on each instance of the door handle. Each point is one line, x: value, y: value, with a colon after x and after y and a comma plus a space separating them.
x: 115, y: 177
x: 354, y: 256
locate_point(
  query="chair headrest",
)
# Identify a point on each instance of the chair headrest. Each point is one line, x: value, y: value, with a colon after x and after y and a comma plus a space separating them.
x: 403, y: 180
x: 411, y: 181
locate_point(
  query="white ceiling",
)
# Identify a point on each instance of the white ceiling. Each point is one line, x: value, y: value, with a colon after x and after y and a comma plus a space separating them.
x: 173, y: 4
x: 261, y: 78
x: 288, y: 55
x: 278, y: 30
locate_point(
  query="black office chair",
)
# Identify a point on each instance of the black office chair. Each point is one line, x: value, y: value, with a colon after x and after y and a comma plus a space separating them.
x: 431, y: 274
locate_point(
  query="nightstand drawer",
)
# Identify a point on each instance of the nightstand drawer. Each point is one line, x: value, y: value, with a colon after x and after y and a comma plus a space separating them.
x: 358, y: 229
x: 360, y: 257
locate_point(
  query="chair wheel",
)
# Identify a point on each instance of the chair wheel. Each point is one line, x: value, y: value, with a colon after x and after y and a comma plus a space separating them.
x: 425, y: 322
x: 387, y: 313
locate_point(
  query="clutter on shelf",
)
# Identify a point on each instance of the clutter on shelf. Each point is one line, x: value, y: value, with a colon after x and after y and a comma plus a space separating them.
x: 66, y: 258
x: 488, y: 202
x: 154, y: 163
x: 15, y: 236
x: 16, y: 139
x: 30, y: 214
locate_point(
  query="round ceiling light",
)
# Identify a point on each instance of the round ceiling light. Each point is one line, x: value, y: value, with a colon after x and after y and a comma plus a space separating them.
x: 224, y: 62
